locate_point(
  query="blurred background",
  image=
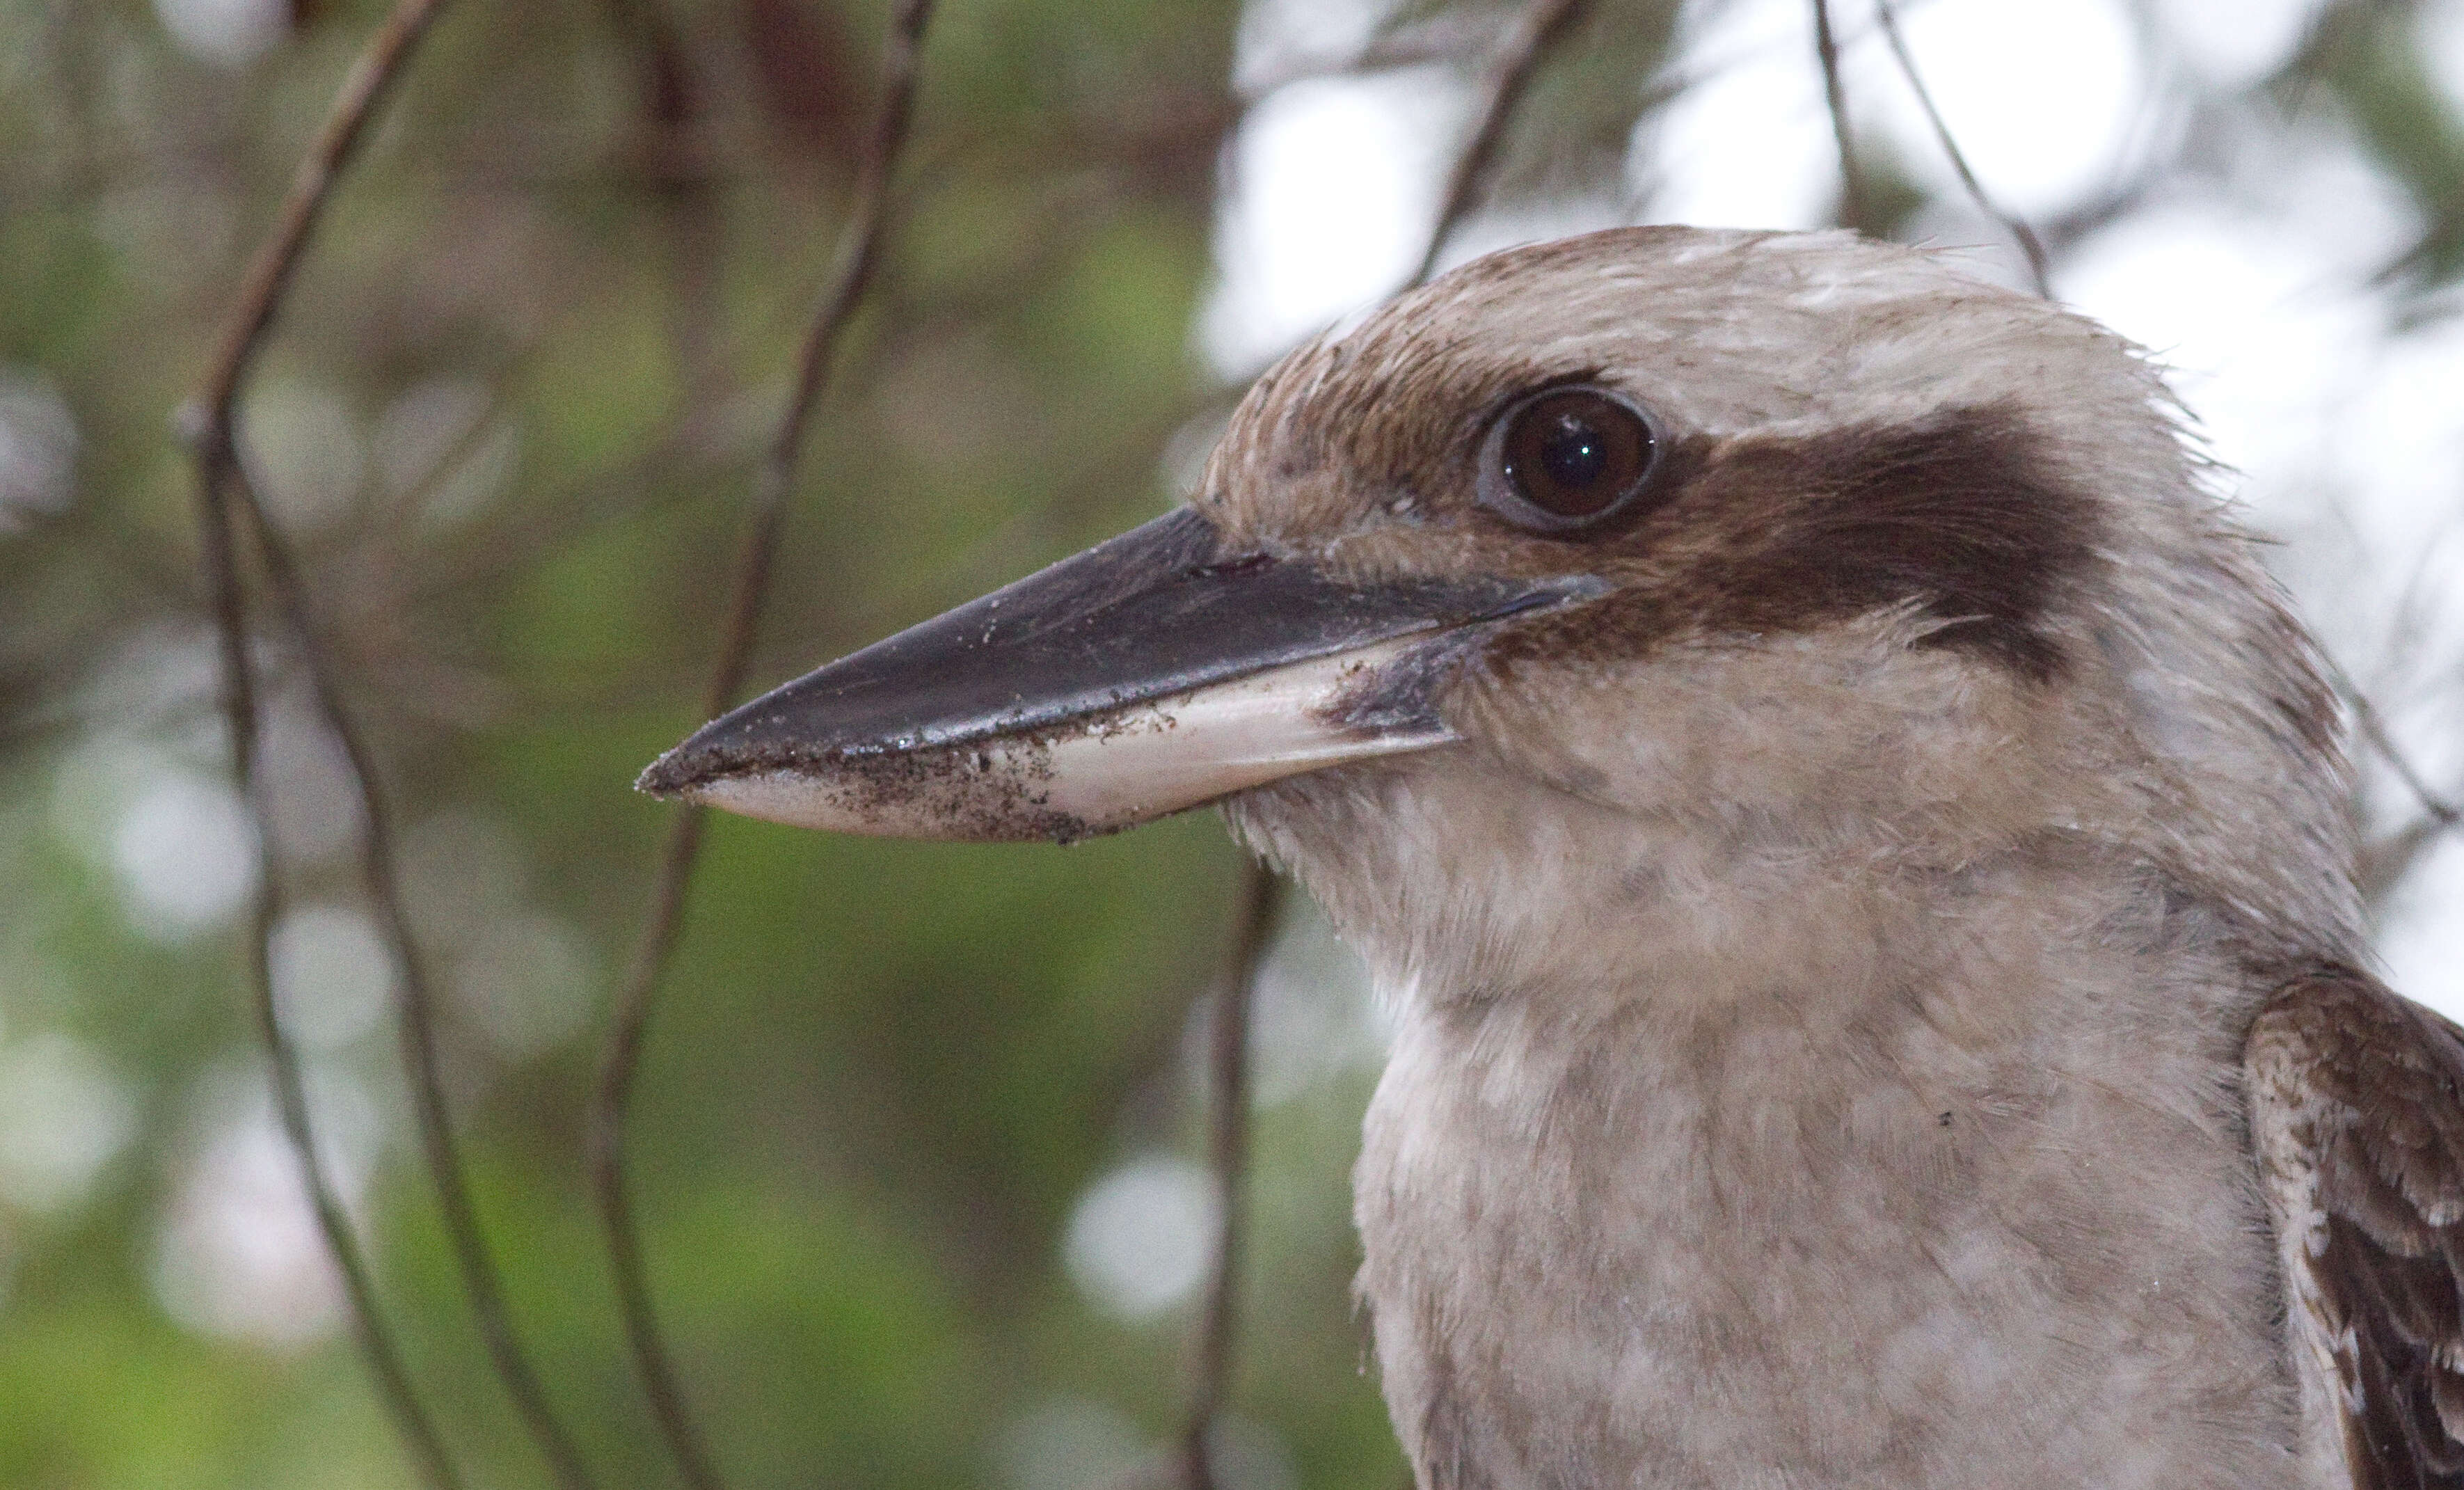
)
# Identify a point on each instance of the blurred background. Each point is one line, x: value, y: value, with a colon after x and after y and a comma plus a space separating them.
x: 917, y: 1136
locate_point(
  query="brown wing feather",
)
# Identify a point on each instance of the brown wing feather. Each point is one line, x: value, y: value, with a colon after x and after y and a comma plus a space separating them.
x: 2357, y: 1103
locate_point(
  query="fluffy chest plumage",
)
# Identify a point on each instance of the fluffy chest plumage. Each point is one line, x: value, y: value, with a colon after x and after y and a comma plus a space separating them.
x: 1980, y: 1209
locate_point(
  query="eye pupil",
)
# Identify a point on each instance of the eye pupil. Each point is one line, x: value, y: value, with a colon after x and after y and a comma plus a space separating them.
x: 1572, y: 454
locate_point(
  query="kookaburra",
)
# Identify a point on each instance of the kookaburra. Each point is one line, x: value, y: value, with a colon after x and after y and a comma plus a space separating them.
x: 1859, y: 852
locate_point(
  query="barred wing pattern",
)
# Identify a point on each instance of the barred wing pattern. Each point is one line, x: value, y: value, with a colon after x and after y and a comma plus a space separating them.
x: 2356, y: 1108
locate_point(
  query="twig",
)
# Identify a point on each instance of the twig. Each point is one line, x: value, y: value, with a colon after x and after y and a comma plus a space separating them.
x: 2383, y: 863
x: 2385, y: 860
x: 2011, y: 222
x: 1852, y: 176
x: 681, y: 192
x: 269, y: 272
x: 1227, y: 1116
x: 2446, y: 814
x: 290, y: 1097
x: 207, y: 422
x: 1417, y: 43
x: 1509, y: 73
x: 1227, y: 1157
x: 416, y: 1008
x: 859, y: 255
x: 222, y: 484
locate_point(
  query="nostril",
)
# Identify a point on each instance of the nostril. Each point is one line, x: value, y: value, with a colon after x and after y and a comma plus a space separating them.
x: 1221, y: 568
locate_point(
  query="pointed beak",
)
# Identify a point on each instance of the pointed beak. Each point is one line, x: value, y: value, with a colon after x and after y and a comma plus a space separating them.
x: 1149, y: 674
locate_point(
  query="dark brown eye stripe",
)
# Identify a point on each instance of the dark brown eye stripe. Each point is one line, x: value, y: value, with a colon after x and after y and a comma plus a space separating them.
x: 1966, y: 514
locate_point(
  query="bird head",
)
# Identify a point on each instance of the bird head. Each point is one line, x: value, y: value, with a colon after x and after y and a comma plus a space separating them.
x: 1604, y: 566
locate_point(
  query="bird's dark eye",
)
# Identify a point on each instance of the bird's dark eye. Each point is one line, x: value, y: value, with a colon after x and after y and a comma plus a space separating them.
x: 1565, y: 459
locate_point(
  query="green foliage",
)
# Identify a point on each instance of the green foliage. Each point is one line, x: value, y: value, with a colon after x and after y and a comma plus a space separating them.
x: 510, y: 418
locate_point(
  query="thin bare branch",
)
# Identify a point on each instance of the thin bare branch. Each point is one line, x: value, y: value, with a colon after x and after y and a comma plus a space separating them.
x: 1852, y: 176
x: 207, y: 422
x: 2442, y: 812
x: 1511, y: 71
x: 1443, y: 37
x: 1511, y: 67
x: 210, y: 422
x: 682, y: 195
x: 268, y: 274
x: 2011, y: 222
x: 1227, y: 1157
x: 416, y: 1008
x: 290, y: 1097
x: 859, y: 255
x: 2383, y: 863
x: 2385, y: 860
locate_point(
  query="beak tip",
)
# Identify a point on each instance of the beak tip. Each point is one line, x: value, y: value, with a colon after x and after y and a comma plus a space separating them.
x: 678, y: 773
